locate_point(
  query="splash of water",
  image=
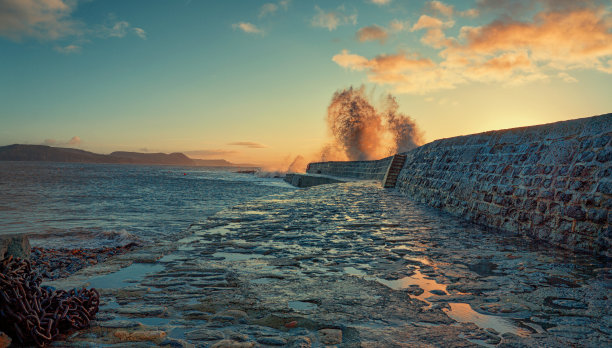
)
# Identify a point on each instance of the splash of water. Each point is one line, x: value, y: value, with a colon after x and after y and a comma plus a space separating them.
x: 360, y: 131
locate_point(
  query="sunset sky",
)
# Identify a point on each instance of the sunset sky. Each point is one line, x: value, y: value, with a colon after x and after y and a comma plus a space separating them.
x: 250, y: 81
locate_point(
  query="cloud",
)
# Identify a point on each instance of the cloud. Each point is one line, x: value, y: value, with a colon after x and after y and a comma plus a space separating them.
x: 50, y: 20
x: 438, y: 7
x: 268, y: 9
x: 406, y: 73
x: 506, y: 51
x: 74, y: 141
x: 428, y: 22
x: 247, y: 27
x: 372, y: 33
x: 118, y: 29
x: 68, y: 49
x: 580, y: 38
x: 397, y: 25
x: 332, y: 19
x: 434, y: 36
x: 248, y: 144
x: 380, y: 2
x: 38, y: 19
x: 567, y: 77
x: 209, y: 153
x: 284, y: 4
x: 140, y: 32
x: 442, y: 8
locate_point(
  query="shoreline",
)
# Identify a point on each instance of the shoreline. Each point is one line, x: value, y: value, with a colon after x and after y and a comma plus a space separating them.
x: 227, y: 282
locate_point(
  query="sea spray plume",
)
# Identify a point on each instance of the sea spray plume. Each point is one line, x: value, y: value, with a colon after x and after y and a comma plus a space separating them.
x: 361, y: 132
x: 406, y: 135
x: 298, y: 165
x: 354, y: 124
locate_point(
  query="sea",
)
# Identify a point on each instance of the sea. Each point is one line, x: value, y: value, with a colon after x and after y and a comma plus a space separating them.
x: 77, y: 205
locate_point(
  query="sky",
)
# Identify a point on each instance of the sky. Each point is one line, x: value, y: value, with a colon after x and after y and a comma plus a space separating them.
x: 250, y: 81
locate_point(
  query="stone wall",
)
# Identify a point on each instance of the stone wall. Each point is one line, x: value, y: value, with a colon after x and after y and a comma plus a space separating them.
x: 308, y: 180
x: 366, y: 170
x: 550, y: 181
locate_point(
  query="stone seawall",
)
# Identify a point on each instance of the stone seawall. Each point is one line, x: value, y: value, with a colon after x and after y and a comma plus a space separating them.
x: 366, y: 170
x: 552, y: 181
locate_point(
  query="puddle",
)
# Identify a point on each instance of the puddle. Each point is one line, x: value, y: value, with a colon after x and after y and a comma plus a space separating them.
x: 153, y: 321
x: 430, y: 287
x: 302, y: 306
x: 483, y: 268
x: 418, y: 278
x: 125, y: 276
x: 463, y: 313
x: 354, y: 271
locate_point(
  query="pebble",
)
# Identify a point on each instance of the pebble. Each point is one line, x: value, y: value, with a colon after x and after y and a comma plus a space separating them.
x: 291, y: 324
x: 272, y: 341
x: 141, y: 335
x: 204, y: 335
x: 330, y: 336
x: 232, y: 344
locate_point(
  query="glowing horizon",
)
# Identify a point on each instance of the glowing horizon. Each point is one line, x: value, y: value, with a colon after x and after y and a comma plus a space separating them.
x: 250, y: 82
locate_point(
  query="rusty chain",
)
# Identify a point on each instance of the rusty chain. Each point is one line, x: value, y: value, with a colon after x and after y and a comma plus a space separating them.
x: 35, y: 314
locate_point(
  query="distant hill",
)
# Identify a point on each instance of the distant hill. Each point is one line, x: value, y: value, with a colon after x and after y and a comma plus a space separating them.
x: 153, y: 158
x: 18, y: 152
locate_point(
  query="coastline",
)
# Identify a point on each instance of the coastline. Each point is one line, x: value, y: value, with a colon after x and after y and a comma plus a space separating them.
x: 239, y: 279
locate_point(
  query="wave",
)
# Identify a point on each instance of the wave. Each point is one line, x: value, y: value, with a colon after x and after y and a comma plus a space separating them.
x: 80, y: 238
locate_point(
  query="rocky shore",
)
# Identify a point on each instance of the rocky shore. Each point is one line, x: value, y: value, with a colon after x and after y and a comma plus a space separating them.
x: 348, y: 265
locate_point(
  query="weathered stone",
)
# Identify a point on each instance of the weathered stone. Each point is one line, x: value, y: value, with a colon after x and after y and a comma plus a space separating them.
x: 140, y: 335
x: 232, y: 344
x: 330, y: 336
x: 204, y: 334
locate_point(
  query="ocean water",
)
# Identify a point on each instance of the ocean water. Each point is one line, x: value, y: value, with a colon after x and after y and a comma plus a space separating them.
x: 92, y: 205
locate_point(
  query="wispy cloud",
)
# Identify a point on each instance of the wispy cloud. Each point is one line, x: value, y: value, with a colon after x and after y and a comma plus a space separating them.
x: 268, y: 9
x: 380, y: 2
x: 209, y: 153
x: 249, y: 144
x: 566, y: 77
x: 68, y: 49
x: 438, y: 7
x: 51, y: 20
x: 140, y: 33
x: 247, y: 27
x: 332, y: 19
x: 372, y: 33
x: 74, y: 141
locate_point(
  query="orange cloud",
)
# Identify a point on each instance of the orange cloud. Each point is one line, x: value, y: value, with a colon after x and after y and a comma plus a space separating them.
x: 449, y: 10
x: 249, y: 144
x: 563, y: 39
x: 372, y: 33
x: 247, y: 27
x: 428, y: 22
x: 508, y: 52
